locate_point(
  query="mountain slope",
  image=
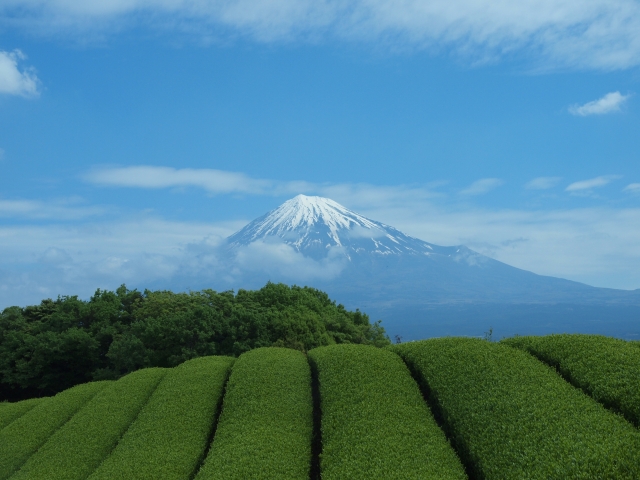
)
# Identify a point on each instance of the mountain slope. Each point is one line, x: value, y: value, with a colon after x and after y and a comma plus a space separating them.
x: 381, y: 264
x: 417, y: 288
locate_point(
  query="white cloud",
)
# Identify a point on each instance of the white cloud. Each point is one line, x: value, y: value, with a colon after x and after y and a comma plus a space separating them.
x: 42, y: 261
x: 542, y: 183
x: 595, y: 34
x: 13, y: 81
x: 65, y: 209
x: 592, y: 183
x: 145, y: 176
x: 611, y: 102
x: 223, y: 182
x: 282, y: 261
x: 599, y: 246
x: 482, y: 186
x: 633, y: 188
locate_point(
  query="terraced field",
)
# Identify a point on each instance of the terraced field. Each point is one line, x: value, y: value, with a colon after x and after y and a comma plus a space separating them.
x: 529, y: 407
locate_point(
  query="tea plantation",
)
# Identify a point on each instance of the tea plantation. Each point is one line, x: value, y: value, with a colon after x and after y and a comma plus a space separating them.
x: 555, y: 407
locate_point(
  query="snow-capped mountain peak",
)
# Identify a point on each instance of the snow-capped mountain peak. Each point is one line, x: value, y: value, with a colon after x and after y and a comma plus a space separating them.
x: 313, y: 225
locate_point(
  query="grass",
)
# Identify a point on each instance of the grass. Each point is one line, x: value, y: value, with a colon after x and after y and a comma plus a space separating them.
x: 375, y: 423
x: 169, y: 437
x: 511, y: 416
x: 266, y: 426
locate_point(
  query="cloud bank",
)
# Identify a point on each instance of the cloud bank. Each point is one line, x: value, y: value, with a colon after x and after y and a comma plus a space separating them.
x: 601, y: 34
x: 144, y: 176
x: 14, y: 81
x: 610, y: 103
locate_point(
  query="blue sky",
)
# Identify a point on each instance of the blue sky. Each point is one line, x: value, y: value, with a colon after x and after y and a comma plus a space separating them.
x: 132, y: 130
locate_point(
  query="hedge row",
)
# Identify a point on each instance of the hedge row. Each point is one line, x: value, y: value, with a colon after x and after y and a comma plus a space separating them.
x: 266, y: 426
x: 10, y: 411
x: 375, y: 423
x: 23, y: 437
x: 76, y: 449
x: 606, y: 368
x: 173, y: 430
x: 511, y: 416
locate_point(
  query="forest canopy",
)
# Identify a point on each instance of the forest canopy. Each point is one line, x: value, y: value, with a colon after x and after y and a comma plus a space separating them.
x: 49, y: 347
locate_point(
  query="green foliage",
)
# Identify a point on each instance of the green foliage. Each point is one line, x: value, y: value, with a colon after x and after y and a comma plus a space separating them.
x: 11, y: 411
x: 47, y: 348
x: 511, y: 416
x: 171, y: 434
x: 605, y: 368
x: 265, y: 429
x: 375, y: 423
x: 20, y: 439
x: 76, y: 449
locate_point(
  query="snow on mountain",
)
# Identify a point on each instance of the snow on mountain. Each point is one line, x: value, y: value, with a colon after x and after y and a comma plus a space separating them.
x: 314, y: 225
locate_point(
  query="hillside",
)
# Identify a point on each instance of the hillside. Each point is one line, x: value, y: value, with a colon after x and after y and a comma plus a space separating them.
x: 441, y: 408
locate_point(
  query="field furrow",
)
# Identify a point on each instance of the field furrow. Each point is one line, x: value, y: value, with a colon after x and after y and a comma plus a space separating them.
x: 511, y: 416
x: 171, y: 434
x: 24, y: 436
x: 76, y: 449
x: 266, y: 426
x: 375, y: 423
x: 607, y: 369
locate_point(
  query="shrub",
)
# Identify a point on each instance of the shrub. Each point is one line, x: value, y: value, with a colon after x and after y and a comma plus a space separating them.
x: 169, y: 438
x: 10, y: 411
x: 605, y: 368
x: 266, y: 426
x: 511, y: 416
x: 76, y: 449
x: 375, y: 423
x: 22, y: 438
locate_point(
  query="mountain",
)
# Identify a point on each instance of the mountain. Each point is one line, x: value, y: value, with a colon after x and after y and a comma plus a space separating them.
x: 314, y: 225
x: 368, y: 264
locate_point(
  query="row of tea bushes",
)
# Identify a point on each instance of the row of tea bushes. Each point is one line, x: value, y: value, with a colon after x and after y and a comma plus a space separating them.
x: 375, y: 423
x: 511, y: 416
x: 607, y: 369
x: 173, y: 430
x: 80, y: 445
x: 10, y: 411
x: 266, y: 426
x: 24, y: 436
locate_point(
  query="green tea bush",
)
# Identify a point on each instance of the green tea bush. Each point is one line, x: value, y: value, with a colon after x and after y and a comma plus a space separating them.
x: 171, y: 434
x: 605, y: 368
x: 76, y: 449
x: 266, y: 426
x: 511, y: 416
x: 22, y: 438
x: 10, y: 411
x: 375, y: 423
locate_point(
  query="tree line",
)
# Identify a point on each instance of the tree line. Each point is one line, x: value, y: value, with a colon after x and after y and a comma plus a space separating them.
x: 52, y: 346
